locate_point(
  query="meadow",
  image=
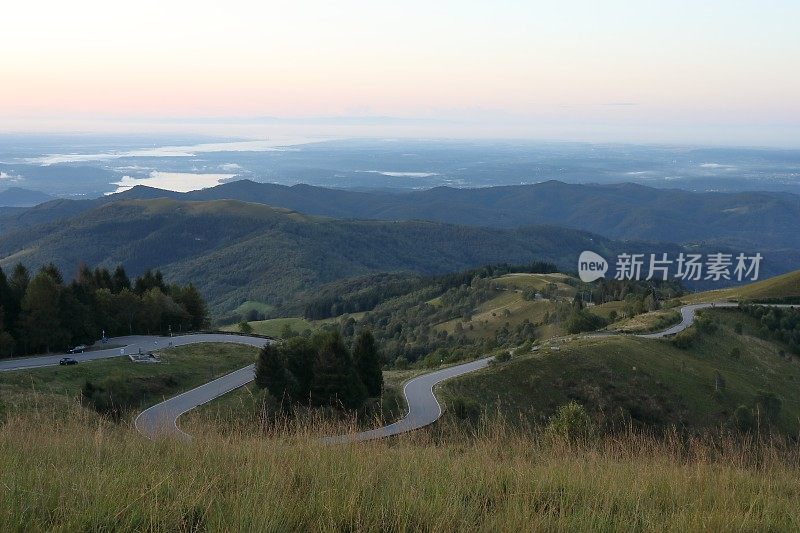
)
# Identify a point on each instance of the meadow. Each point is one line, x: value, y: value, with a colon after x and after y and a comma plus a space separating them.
x: 181, y: 368
x: 89, y: 475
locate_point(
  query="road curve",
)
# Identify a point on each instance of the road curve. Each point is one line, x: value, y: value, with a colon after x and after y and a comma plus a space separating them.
x: 423, y: 407
x: 160, y: 420
x: 688, y: 313
x: 128, y: 345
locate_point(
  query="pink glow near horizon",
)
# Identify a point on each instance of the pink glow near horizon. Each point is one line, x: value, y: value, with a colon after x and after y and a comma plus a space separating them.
x: 612, y: 66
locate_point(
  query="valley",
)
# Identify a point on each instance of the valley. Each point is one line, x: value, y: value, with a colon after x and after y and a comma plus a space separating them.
x: 400, y: 267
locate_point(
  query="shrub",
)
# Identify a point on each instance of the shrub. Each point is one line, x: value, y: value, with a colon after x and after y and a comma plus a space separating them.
x: 571, y: 422
x: 393, y: 405
x: 502, y: 357
x: 465, y: 408
x: 287, y: 332
x: 114, y: 397
x: 706, y: 325
x: 743, y: 418
x: 245, y: 327
x: 580, y: 320
x: 685, y: 339
x: 768, y: 405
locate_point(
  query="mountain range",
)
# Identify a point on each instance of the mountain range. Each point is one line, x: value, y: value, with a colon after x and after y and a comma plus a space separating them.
x: 19, y: 197
x: 236, y: 251
x: 621, y: 211
x: 274, y: 244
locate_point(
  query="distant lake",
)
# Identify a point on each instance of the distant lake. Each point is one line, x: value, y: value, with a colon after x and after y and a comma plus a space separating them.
x: 173, y: 181
x: 169, y: 151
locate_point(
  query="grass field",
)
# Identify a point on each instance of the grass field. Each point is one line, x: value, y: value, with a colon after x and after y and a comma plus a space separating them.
x: 59, y: 387
x: 274, y: 326
x: 85, y: 476
x: 251, y: 305
x: 784, y: 286
x: 508, y: 307
x: 522, y: 281
x: 652, y: 381
x: 647, y: 322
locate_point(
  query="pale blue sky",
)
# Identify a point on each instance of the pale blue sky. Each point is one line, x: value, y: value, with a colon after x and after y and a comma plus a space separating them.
x: 714, y: 71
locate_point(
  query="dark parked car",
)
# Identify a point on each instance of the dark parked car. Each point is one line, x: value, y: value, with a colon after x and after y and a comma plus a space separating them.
x: 67, y: 361
x: 78, y: 349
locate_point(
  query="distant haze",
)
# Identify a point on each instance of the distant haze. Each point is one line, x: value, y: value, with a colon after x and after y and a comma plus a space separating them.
x: 708, y: 72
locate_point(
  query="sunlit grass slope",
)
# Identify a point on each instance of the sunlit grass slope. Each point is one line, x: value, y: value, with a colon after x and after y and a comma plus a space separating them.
x: 93, y: 477
x: 651, y: 382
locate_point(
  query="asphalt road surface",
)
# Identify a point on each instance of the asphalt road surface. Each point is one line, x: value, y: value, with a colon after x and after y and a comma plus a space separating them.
x: 160, y: 420
x: 128, y: 345
x: 423, y: 407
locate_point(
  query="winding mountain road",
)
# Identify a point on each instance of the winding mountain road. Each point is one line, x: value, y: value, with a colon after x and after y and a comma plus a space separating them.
x: 424, y: 409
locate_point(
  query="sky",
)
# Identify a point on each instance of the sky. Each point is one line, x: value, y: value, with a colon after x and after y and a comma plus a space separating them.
x: 619, y: 70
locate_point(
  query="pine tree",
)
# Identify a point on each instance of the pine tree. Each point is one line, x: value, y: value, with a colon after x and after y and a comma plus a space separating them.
x: 85, y: 278
x: 120, y: 280
x: 150, y: 280
x: 41, y: 315
x: 102, y: 278
x: 194, y: 304
x: 128, y: 307
x: 300, y: 356
x: 336, y: 382
x: 52, y: 270
x: 20, y: 278
x: 273, y: 375
x: 368, y: 363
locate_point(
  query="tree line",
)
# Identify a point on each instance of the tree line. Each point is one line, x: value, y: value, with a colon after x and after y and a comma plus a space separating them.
x: 777, y: 323
x: 367, y: 293
x: 43, y: 313
x: 321, y: 371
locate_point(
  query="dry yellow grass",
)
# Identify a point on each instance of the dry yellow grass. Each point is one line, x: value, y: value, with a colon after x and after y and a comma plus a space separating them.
x: 81, y: 475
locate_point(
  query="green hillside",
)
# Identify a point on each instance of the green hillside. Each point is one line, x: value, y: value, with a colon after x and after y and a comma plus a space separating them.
x: 618, y: 211
x: 652, y: 383
x: 57, y: 389
x: 237, y: 252
x: 786, y: 286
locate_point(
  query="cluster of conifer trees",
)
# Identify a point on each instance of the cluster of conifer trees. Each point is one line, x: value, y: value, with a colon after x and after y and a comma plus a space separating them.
x: 321, y: 371
x: 42, y: 313
x: 780, y: 324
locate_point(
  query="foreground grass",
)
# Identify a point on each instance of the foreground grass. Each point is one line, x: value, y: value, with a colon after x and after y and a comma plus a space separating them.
x: 76, y: 475
x: 59, y: 386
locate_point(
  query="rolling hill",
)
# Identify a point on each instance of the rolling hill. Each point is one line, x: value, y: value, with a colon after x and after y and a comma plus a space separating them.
x: 650, y: 383
x: 754, y: 220
x: 19, y: 197
x: 237, y: 252
x: 783, y: 287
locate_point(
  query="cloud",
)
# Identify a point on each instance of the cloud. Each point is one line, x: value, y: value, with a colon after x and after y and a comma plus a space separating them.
x: 718, y: 166
x: 4, y: 176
